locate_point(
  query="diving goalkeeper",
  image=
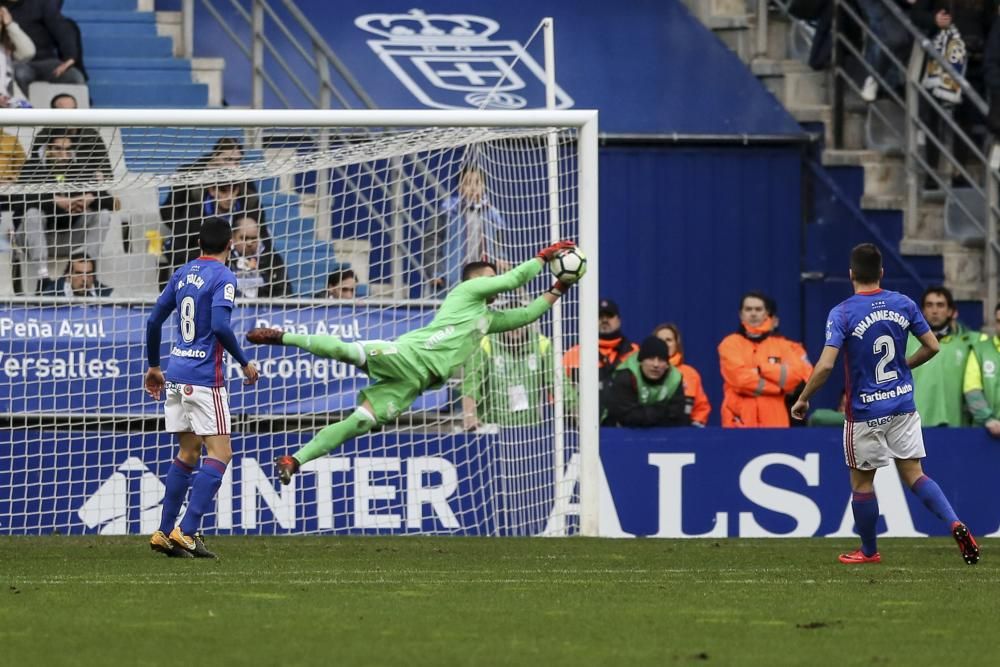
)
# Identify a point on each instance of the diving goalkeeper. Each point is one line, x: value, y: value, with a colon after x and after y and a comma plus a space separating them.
x: 421, y: 359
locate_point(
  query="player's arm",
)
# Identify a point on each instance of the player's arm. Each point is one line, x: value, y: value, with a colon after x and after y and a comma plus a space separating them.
x: 165, y: 304
x: 821, y: 373
x: 487, y: 286
x: 223, y: 332
x: 929, y: 346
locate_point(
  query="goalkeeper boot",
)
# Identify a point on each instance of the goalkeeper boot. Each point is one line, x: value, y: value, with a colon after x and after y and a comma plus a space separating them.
x: 859, y: 558
x: 262, y: 336
x: 966, y: 542
x: 160, y: 542
x: 192, y: 544
x: 285, y: 467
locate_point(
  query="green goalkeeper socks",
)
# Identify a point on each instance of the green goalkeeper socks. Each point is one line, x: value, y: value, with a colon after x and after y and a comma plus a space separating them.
x: 334, y: 435
x: 329, y: 347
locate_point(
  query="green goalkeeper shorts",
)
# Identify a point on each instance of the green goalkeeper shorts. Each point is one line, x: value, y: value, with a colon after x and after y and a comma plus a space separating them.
x: 399, y: 378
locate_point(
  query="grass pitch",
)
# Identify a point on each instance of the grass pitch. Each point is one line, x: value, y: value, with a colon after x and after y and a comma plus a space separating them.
x: 457, y: 601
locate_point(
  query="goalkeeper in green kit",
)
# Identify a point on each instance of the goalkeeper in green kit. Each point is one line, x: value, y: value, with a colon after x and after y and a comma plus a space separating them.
x: 421, y: 359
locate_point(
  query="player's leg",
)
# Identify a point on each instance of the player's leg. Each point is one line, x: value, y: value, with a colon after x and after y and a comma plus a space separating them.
x: 209, y: 410
x: 177, y: 482
x: 906, y: 441
x: 357, y: 423
x: 930, y: 494
x: 328, y: 347
x: 178, y: 478
x: 864, y: 454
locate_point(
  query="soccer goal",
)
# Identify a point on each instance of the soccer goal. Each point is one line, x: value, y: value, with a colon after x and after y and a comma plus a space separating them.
x: 350, y: 223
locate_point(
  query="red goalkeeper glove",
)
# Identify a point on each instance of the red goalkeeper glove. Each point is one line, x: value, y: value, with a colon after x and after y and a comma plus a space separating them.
x: 559, y: 288
x: 548, y: 254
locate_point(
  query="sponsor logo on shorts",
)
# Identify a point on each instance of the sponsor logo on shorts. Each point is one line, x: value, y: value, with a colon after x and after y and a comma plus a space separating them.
x: 881, y: 420
x: 188, y: 390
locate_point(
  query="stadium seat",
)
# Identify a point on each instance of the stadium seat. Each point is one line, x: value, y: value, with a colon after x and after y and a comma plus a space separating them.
x: 309, y: 266
x: 958, y: 225
x: 40, y: 93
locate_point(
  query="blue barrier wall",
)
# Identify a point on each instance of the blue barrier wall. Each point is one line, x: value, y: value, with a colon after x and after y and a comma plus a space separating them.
x: 657, y: 483
x: 685, y: 231
x: 793, y: 482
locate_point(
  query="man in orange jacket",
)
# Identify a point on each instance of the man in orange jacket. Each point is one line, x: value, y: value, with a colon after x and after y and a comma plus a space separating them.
x: 759, y: 368
x: 614, y: 347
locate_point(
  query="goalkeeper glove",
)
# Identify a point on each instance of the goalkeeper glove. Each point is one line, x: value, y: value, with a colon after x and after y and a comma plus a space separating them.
x: 559, y: 288
x: 548, y: 254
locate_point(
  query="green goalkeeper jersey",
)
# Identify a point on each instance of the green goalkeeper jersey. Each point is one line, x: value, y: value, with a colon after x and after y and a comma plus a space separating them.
x: 464, y: 318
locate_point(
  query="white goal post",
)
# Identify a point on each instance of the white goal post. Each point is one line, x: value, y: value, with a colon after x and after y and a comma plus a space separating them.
x: 82, y: 452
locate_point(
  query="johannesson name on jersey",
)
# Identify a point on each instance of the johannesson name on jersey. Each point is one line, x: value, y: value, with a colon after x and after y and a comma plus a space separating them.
x: 879, y: 316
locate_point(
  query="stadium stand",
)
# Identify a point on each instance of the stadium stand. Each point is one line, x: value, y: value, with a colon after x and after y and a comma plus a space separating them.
x: 131, y: 65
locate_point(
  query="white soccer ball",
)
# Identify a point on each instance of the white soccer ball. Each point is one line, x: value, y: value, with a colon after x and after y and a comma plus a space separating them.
x: 569, y: 265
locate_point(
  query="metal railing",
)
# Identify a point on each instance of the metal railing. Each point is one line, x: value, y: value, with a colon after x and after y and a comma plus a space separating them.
x: 925, y: 116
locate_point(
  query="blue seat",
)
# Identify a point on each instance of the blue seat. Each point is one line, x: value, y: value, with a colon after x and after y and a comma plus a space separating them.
x: 71, y: 6
x: 117, y: 29
x: 137, y: 63
x: 123, y: 46
x: 138, y: 96
x: 160, y: 77
x: 89, y: 16
x: 308, y: 267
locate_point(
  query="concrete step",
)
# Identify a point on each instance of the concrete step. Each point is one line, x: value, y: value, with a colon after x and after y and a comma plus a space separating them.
x: 963, y: 265
x: 854, y: 124
x: 884, y: 175
x: 793, y: 82
x: 705, y: 9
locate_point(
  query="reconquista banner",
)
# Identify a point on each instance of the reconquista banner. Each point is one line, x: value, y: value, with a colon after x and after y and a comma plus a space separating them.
x: 90, y: 359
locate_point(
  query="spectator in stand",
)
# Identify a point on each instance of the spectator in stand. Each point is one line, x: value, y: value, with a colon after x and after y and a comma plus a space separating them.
x: 508, y: 382
x: 57, y: 49
x: 981, y: 384
x: 79, y: 281
x: 16, y: 48
x: 972, y: 18
x: 91, y: 151
x: 894, y: 36
x: 259, y: 272
x: 189, y: 207
x: 937, y: 384
x: 77, y: 219
x: 646, y: 390
x: 467, y: 229
x: 760, y: 367
x: 614, y: 347
x: 342, y: 284
x: 699, y: 407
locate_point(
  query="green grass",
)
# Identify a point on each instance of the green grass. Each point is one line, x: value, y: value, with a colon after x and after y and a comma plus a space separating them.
x: 457, y: 601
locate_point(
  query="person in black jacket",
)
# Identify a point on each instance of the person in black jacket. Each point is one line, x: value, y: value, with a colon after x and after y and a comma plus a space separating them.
x: 79, y: 281
x: 57, y: 47
x: 73, y: 218
x: 646, y: 390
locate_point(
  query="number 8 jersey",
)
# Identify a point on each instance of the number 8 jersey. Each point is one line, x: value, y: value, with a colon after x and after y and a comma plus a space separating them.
x: 196, y: 356
x: 871, y: 328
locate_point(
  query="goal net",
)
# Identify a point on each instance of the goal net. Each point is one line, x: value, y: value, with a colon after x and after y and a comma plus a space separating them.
x: 346, y: 224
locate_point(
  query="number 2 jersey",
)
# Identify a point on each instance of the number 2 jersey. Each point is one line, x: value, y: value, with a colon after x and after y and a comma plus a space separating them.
x: 871, y: 328
x: 196, y: 356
